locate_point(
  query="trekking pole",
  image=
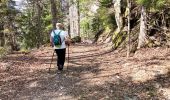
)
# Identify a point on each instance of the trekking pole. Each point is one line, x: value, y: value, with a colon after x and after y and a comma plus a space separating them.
x: 51, y: 62
x: 68, y: 58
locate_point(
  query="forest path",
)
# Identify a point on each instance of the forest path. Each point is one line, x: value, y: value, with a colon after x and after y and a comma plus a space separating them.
x: 94, y: 73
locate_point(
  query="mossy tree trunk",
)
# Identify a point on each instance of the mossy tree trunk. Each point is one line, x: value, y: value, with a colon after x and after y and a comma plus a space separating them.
x: 118, y: 35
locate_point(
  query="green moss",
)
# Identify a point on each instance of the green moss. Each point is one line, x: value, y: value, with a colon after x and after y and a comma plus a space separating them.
x: 76, y: 39
x: 3, y: 51
x: 118, y: 38
x: 115, y: 34
x: 107, y: 30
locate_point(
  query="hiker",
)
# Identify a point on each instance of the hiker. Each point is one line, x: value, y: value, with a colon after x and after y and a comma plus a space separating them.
x: 61, y: 48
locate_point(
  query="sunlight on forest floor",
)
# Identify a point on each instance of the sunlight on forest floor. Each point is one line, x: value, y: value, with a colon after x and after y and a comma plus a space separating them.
x: 93, y: 73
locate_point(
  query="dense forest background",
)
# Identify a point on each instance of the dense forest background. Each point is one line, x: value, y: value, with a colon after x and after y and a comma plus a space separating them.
x: 131, y: 24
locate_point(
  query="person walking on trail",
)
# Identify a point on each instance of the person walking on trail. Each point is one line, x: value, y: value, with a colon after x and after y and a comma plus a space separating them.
x: 59, y: 39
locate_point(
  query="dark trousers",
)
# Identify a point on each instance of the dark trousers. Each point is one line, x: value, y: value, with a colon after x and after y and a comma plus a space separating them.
x: 61, y: 53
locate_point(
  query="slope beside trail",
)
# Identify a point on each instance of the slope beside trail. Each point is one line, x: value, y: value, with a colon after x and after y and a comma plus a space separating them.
x: 94, y: 72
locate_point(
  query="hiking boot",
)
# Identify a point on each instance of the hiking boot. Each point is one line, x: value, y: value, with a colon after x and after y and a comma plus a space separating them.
x: 60, y: 67
x: 58, y: 72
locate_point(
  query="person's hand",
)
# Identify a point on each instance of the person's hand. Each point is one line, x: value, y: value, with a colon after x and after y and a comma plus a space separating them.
x: 52, y: 45
x: 67, y: 42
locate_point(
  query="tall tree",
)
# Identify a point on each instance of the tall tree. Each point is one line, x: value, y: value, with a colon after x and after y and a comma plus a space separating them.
x: 73, y: 18
x: 78, y: 19
x: 54, y: 13
x: 118, y: 15
x: 7, y: 24
x: 3, y: 10
x: 145, y: 5
x: 34, y: 23
x: 128, y: 17
x: 143, y: 28
x: 38, y: 22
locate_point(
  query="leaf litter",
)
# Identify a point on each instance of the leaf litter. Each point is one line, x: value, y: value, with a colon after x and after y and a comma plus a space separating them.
x: 91, y: 74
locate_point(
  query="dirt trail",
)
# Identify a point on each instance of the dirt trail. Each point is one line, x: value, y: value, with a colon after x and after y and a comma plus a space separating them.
x: 94, y: 73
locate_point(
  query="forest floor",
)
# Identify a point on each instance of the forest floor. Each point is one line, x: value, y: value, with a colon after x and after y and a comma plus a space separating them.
x: 94, y: 73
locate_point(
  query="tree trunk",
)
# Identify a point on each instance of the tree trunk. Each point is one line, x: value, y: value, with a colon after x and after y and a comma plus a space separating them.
x: 54, y: 13
x: 1, y: 36
x: 128, y: 17
x: 68, y: 17
x: 38, y: 16
x: 73, y: 17
x: 3, y: 39
x: 118, y: 16
x: 164, y: 22
x: 143, y: 28
x: 78, y: 16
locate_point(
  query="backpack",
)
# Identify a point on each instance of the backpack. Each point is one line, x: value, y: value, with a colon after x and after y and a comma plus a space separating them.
x: 57, y: 39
